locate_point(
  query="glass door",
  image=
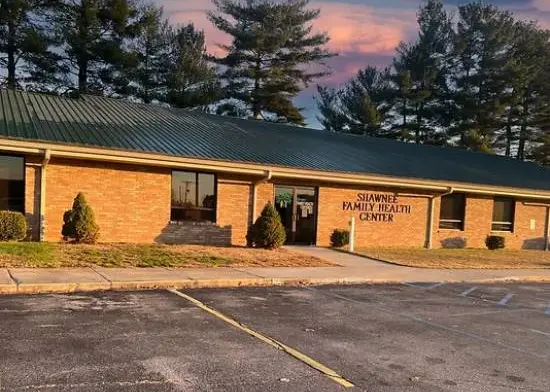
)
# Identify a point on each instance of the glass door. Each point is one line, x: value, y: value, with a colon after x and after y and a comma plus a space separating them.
x: 297, y: 207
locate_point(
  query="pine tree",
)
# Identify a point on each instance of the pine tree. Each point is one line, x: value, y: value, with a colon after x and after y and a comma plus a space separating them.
x: 330, y: 113
x: 26, y: 44
x: 192, y: 80
x: 481, y: 58
x: 272, y: 42
x: 360, y: 107
x: 364, y: 102
x: 422, y: 70
x: 150, y: 56
x: 529, y: 89
x: 93, y: 34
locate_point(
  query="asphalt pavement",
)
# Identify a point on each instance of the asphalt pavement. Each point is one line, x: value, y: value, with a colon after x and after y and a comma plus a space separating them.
x: 399, y: 337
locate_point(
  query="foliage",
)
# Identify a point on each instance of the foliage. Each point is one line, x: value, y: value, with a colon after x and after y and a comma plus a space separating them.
x: 79, y: 222
x: 26, y: 43
x: 339, y: 238
x: 477, y: 79
x: 494, y: 242
x: 93, y: 35
x: 268, y: 231
x: 192, y: 80
x: 13, y: 226
x: 265, y: 63
x: 147, y: 74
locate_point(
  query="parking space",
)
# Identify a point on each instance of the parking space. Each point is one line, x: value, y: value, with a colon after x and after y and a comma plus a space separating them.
x: 402, y: 337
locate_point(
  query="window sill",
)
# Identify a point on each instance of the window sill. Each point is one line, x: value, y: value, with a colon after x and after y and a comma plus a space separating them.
x: 192, y: 223
x: 440, y: 229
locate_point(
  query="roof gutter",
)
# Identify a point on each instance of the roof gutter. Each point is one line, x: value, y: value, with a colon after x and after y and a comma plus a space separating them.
x: 253, y: 169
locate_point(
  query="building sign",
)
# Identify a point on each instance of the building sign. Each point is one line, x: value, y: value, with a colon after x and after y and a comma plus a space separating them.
x: 376, y: 207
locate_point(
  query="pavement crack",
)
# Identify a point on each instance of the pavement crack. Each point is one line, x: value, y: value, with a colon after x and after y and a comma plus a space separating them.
x: 15, y: 280
x: 101, y: 275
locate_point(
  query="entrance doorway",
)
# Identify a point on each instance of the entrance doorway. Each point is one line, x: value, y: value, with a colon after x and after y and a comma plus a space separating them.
x: 298, y: 209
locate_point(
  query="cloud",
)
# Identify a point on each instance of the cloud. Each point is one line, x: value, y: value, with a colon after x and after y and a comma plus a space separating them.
x: 356, y: 28
x: 542, y: 5
x: 359, y: 33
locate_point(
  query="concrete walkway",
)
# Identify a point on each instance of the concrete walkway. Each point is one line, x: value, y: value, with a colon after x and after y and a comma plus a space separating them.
x: 350, y: 269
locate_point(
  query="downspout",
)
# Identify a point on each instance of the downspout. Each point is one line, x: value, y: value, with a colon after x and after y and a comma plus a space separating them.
x: 267, y: 176
x: 547, y: 231
x: 431, y: 213
x: 45, y: 162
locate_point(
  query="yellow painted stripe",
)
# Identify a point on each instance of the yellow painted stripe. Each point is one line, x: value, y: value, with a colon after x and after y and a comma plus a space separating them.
x: 266, y: 339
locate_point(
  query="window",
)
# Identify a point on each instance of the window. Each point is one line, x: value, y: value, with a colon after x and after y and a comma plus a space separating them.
x: 503, y: 215
x: 451, y: 215
x: 193, y: 196
x: 12, y: 183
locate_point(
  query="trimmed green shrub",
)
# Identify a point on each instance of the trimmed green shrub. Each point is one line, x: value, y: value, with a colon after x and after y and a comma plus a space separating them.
x: 339, y: 238
x: 79, y: 222
x: 495, y: 242
x: 268, y: 231
x: 13, y: 226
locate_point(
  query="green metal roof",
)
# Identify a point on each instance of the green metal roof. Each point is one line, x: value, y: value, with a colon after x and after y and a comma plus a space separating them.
x: 110, y: 123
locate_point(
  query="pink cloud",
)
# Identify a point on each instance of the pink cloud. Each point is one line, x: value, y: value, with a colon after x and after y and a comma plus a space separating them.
x: 542, y: 5
x: 353, y: 28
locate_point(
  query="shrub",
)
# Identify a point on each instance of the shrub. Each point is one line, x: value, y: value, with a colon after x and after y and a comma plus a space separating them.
x: 494, y: 242
x: 79, y: 222
x: 339, y: 238
x: 268, y: 231
x: 13, y: 226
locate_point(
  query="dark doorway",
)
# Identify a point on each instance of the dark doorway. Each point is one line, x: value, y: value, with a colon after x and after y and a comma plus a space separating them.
x: 297, y: 207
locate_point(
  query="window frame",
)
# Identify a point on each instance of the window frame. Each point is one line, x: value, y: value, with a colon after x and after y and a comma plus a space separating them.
x: 462, y: 221
x: 197, y: 173
x: 24, y: 180
x: 512, y: 223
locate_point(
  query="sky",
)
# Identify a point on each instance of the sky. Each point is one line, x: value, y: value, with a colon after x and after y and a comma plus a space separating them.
x: 363, y: 32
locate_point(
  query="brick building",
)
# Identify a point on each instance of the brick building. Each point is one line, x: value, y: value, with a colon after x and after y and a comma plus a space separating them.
x: 157, y: 174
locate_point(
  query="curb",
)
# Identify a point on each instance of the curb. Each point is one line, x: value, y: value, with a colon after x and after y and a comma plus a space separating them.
x: 48, y: 288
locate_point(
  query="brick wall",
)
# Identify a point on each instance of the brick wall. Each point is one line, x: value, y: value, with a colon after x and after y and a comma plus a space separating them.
x: 196, y: 233
x: 477, y: 225
x: 406, y: 229
x: 131, y: 203
x: 234, y: 208
x: 264, y: 195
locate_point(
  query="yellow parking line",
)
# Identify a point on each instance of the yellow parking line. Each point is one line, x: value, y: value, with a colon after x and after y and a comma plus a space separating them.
x: 266, y: 339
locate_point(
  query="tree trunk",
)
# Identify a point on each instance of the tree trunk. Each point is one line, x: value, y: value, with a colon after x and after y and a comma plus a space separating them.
x: 256, y: 109
x: 419, y: 110
x: 509, y: 135
x: 83, y: 76
x: 523, y: 131
x: 11, y: 81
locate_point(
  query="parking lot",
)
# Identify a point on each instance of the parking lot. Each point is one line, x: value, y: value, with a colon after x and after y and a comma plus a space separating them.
x: 402, y: 337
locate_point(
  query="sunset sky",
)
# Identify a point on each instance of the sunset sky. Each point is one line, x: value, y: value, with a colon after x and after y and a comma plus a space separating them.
x: 363, y: 32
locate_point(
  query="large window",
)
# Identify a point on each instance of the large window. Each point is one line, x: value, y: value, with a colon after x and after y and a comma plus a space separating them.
x: 193, y: 196
x: 12, y: 183
x: 503, y: 214
x: 451, y: 215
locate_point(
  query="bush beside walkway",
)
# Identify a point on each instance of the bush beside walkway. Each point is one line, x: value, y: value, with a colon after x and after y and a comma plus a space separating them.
x: 57, y: 255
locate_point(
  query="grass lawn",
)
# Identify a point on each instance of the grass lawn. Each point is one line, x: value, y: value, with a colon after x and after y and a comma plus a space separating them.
x: 49, y: 255
x: 460, y: 258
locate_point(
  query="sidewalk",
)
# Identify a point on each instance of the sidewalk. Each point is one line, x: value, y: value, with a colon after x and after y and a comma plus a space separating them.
x: 351, y: 269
